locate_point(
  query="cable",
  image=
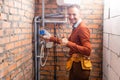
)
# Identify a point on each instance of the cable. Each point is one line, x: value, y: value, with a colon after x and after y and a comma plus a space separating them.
x: 42, y: 54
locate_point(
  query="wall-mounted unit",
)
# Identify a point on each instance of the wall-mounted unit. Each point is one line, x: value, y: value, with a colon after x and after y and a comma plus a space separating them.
x: 68, y: 2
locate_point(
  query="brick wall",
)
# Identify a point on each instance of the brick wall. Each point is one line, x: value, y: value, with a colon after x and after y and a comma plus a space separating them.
x: 92, y: 13
x: 111, y: 37
x: 16, y: 39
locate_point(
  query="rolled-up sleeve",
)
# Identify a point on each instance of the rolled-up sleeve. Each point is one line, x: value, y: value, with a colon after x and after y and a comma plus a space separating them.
x: 85, y: 47
x: 55, y: 39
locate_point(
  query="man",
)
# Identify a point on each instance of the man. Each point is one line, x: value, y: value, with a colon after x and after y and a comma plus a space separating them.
x: 79, y: 44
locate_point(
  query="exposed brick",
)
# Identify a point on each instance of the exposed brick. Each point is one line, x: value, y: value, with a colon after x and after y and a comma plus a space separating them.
x: 1, y: 33
x: 14, y: 38
x: 16, y: 18
x: 17, y: 4
x: 1, y: 49
x: 18, y: 43
x: 6, y: 9
x: 21, y: 12
x: 15, y: 24
x: 11, y: 3
x: 12, y: 67
x: 18, y: 57
x: 4, y: 40
x: 6, y: 24
x: 0, y: 15
x: 3, y: 73
x: 10, y: 17
x: 1, y: 2
x: 3, y: 16
x: 93, y: 26
x: 14, y: 73
x: 17, y: 38
x: 93, y: 17
x: 9, y: 46
x: 97, y: 21
x: 13, y: 14
x: 8, y: 77
x: 13, y: 11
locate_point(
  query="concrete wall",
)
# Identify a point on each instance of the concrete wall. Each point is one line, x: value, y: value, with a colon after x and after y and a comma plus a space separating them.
x: 111, y: 40
x: 16, y: 18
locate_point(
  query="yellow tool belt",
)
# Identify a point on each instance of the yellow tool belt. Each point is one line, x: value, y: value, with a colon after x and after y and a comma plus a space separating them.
x: 85, y: 62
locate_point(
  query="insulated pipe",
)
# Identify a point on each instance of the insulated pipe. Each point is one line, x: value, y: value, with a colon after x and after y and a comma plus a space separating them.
x: 36, y: 39
x: 57, y: 15
x: 43, y: 13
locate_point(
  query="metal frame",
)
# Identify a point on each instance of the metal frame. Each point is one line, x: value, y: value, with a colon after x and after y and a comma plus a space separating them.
x: 41, y: 20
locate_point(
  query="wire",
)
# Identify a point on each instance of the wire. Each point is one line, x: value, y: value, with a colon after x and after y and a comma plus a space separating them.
x: 42, y: 54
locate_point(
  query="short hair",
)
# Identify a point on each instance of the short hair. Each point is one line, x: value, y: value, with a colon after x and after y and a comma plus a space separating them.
x: 74, y: 5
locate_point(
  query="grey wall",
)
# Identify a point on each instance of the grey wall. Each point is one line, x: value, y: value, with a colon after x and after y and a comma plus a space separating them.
x: 111, y: 40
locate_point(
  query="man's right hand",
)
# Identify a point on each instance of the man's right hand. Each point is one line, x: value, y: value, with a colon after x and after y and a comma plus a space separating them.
x: 64, y: 41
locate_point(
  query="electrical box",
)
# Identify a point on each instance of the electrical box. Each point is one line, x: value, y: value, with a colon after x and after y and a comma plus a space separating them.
x: 68, y: 2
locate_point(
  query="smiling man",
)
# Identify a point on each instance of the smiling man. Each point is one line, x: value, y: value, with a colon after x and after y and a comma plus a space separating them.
x: 78, y: 63
x: 79, y: 44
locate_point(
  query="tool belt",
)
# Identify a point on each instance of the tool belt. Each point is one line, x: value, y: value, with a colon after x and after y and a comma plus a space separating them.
x: 84, y: 60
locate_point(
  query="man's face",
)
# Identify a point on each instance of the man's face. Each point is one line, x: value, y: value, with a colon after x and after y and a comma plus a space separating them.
x: 73, y: 15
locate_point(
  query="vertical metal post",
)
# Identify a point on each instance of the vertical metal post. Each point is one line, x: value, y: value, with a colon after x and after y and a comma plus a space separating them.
x: 55, y: 57
x: 36, y: 39
x: 38, y: 53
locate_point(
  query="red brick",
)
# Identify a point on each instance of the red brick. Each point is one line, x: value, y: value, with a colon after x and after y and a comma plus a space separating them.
x: 6, y: 24
x: 3, y: 16
x: 21, y: 12
x: 17, y: 4
x: 3, y: 72
x: 16, y: 18
x: 10, y: 17
x: 19, y: 63
x: 6, y: 3
x: 13, y: 11
x: 9, y: 32
x: 15, y: 51
x: 1, y: 49
x: 100, y: 12
x: 18, y: 43
x: 6, y: 9
x: 1, y: 2
x: 14, y: 38
x: 0, y: 18
x: 12, y: 67
x: 1, y: 33
x: 97, y: 21
x: 96, y: 41
x: 51, y: 6
x: 11, y: 3
x: 94, y: 17
x: 8, y: 77
x: 93, y: 26
x: 96, y: 36
x: 18, y: 57
x: 14, y: 73
x: 9, y: 46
